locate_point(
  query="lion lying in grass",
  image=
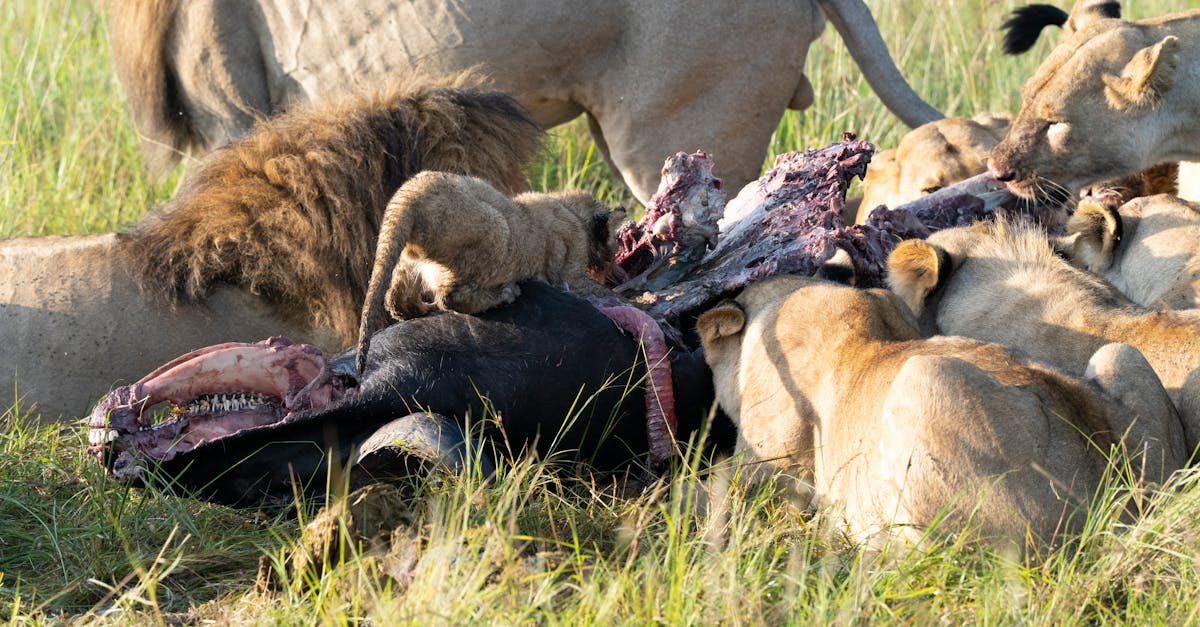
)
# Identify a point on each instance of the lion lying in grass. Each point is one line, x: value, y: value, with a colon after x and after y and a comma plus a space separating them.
x: 1149, y: 248
x: 272, y: 234
x: 946, y: 151
x: 1003, y: 283
x: 834, y: 387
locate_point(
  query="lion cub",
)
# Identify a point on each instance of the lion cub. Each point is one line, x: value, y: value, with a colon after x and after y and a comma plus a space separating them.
x: 454, y: 242
x: 930, y: 157
x: 834, y: 386
x: 1148, y: 248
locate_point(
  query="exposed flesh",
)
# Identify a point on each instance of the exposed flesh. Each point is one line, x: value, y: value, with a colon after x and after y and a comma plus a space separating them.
x: 677, y: 228
x: 212, y: 392
x: 659, y: 390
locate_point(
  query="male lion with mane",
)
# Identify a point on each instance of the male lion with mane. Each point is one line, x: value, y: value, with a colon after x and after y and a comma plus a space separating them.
x: 293, y: 210
x: 272, y: 234
x: 834, y: 387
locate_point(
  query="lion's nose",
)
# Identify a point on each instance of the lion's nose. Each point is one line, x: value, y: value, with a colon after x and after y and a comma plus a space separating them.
x: 1000, y: 170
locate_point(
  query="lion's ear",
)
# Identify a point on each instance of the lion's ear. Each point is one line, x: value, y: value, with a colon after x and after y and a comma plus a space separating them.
x: 1096, y: 229
x: 724, y: 320
x: 915, y: 269
x: 606, y: 223
x: 839, y: 268
x: 1147, y: 77
x: 1087, y: 12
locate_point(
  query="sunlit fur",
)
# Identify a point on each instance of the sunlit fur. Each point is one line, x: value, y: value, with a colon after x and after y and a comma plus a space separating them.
x: 292, y: 211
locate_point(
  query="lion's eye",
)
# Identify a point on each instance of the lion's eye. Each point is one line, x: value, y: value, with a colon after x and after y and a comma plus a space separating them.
x: 931, y: 189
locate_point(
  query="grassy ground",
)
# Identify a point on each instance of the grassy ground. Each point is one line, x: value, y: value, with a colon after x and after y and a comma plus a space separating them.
x: 534, y: 546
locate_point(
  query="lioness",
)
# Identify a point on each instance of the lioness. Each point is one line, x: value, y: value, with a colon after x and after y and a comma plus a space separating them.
x: 834, y: 386
x: 1149, y: 248
x: 1003, y: 283
x: 946, y: 151
x: 929, y: 158
x: 1113, y: 98
x: 455, y: 242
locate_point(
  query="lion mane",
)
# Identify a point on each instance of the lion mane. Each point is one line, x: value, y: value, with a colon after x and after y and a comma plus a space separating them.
x: 292, y: 211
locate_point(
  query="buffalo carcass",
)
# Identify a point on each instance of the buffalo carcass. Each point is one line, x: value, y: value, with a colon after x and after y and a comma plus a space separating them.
x: 549, y: 373
x: 553, y: 369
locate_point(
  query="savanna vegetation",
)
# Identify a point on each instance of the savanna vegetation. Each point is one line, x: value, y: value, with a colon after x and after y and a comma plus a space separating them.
x: 538, y: 544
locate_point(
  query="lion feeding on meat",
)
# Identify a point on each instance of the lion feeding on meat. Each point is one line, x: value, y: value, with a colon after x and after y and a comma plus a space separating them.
x: 1113, y: 98
x: 272, y: 234
x: 293, y: 210
x: 1002, y: 282
x: 456, y: 243
x: 834, y: 387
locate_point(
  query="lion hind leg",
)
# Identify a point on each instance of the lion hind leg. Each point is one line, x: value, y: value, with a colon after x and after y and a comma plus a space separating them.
x: 465, y: 297
x: 406, y: 295
x: 1151, y: 431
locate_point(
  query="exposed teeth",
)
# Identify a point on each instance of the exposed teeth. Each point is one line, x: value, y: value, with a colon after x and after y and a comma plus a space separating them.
x: 225, y: 403
x: 100, y: 437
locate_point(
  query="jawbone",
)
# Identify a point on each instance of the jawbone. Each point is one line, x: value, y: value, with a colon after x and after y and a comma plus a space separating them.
x: 210, y: 393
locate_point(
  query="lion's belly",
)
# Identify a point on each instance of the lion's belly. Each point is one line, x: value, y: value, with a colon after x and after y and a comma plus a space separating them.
x: 73, y: 324
x: 320, y: 47
x: 547, y: 54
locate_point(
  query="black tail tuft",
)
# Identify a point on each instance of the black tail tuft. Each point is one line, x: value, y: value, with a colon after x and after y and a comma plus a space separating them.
x: 1026, y: 24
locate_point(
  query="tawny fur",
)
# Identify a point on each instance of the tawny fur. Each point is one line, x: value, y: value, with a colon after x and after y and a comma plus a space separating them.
x: 456, y: 243
x: 930, y: 157
x: 651, y: 79
x: 292, y: 211
x: 1114, y: 98
x: 1007, y: 285
x: 139, y: 32
x: 1157, y: 179
x: 946, y: 151
x: 833, y: 387
x: 1153, y: 258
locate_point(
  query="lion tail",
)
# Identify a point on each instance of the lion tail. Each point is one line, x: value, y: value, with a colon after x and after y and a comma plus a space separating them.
x: 858, y: 29
x: 394, y: 232
x: 138, y: 33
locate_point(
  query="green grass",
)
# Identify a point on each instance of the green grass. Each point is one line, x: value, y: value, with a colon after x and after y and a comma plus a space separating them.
x: 537, y: 545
